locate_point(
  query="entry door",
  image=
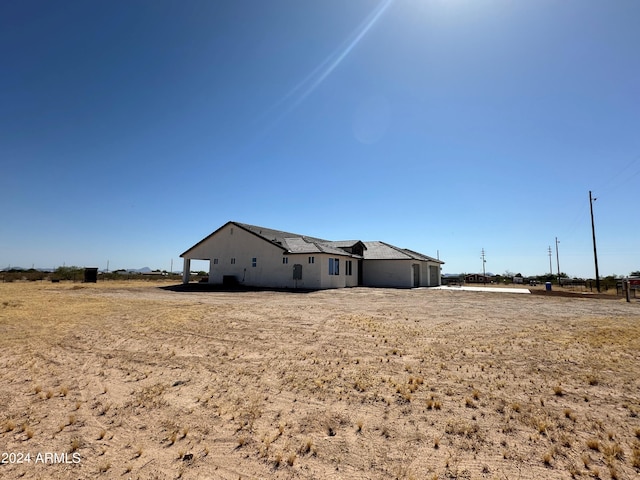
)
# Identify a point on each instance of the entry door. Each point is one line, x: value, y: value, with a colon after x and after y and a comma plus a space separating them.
x: 297, y: 272
x: 416, y: 275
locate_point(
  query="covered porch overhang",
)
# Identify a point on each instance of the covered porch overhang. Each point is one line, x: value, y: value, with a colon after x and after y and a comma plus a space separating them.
x: 186, y: 267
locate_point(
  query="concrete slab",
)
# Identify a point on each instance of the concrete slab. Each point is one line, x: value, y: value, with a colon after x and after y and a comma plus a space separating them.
x: 484, y: 289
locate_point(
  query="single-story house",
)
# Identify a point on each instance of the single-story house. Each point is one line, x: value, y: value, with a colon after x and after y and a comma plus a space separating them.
x: 255, y: 256
x: 477, y: 278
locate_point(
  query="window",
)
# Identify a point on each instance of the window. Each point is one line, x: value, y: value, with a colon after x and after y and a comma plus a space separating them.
x: 233, y: 261
x: 215, y: 261
x: 254, y: 261
x: 334, y: 266
x: 312, y: 259
x: 348, y: 267
x: 285, y: 260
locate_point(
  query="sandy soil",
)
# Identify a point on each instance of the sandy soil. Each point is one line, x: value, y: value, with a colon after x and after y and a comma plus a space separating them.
x: 130, y: 380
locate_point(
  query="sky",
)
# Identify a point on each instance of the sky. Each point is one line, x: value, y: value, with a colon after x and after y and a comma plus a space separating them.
x: 130, y: 130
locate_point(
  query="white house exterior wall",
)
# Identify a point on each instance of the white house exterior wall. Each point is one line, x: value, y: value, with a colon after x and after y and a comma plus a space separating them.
x: 233, y: 242
x: 342, y: 279
x: 311, y: 272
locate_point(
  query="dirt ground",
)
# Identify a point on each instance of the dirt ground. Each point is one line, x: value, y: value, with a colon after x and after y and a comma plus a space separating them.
x: 130, y: 380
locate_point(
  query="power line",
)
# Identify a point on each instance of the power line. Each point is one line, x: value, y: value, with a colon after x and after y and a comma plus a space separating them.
x: 614, y: 180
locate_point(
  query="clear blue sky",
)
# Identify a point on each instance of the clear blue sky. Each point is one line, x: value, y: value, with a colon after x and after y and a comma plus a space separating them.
x: 129, y: 130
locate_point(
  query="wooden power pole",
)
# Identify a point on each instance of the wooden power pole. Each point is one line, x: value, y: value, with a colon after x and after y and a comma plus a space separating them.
x: 593, y: 234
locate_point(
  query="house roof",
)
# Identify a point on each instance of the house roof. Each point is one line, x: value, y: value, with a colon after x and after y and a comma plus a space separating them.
x: 295, y: 243
x: 384, y: 251
x: 345, y: 243
x: 289, y: 242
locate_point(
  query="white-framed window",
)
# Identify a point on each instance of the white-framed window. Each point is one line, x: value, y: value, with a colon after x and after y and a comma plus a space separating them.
x: 285, y: 260
x: 312, y: 259
x: 348, y: 267
x: 233, y: 261
x: 334, y: 266
x: 254, y: 261
x: 215, y: 261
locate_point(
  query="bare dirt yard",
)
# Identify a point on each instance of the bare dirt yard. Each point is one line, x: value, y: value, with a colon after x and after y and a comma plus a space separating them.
x: 130, y: 380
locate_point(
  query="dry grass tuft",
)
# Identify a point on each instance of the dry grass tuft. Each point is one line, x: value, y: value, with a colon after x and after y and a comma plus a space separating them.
x: 306, y: 447
x: 75, y: 444
x: 593, y: 444
x: 635, y: 456
x: 612, y: 451
x: 8, y: 425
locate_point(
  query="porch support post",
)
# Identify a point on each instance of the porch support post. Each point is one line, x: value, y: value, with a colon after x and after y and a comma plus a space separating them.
x: 186, y: 270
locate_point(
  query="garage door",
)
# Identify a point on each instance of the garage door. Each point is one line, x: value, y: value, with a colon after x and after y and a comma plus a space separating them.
x: 434, y: 277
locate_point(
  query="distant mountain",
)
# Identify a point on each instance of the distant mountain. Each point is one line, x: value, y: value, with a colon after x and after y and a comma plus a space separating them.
x: 18, y: 268
x: 141, y: 270
x: 133, y: 270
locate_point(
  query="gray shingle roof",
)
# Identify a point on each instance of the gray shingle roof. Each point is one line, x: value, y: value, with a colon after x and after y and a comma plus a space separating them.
x: 296, y: 243
x: 293, y: 242
x: 384, y: 251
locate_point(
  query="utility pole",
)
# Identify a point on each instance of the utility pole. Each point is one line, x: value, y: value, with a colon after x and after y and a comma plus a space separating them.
x: 558, y: 259
x: 593, y: 234
x: 171, y: 269
x: 550, y: 267
x: 484, y: 275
